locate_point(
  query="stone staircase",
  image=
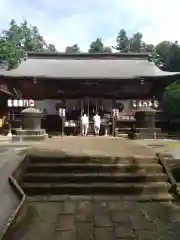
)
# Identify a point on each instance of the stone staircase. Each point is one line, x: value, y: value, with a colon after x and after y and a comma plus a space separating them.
x: 134, y: 177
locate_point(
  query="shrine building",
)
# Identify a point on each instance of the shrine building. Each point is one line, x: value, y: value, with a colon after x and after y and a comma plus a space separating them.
x: 84, y: 83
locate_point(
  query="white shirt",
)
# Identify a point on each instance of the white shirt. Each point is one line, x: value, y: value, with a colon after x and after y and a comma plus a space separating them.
x: 85, y: 120
x: 97, y: 120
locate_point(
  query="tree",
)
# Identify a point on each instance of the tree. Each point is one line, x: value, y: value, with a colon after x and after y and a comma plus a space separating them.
x: 162, y: 51
x: 19, y: 39
x: 97, y: 46
x: 149, y: 48
x: 136, y: 44
x: 172, y: 60
x: 73, y: 49
x: 51, y: 48
x: 171, y: 101
x: 107, y: 49
x: 122, y: 41
x: 10, y: 47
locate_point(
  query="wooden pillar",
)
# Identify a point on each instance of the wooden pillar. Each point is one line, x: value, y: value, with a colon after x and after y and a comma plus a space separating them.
x: 81, y: 107
x: 88, y: 106
x: 113, y: 126
x: 62, y: 125
x: 96, y: 106
x: 81, y: 116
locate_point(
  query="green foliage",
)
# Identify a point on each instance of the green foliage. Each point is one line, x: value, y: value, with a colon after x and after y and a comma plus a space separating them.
x: 107, y: 49
x: 19, y: 39
x: 171, y: 100
x: 73, y: 49
x: 133, y: 44
x: 122, y: 41
x: 97, y: 46
x: 136, y: 44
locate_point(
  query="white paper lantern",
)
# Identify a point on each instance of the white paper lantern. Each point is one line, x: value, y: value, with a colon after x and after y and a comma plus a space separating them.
x: 10, y: 103
x: 15, y: 103
x: 31, y: 103
x: 134, y: 103
x: 21, y: 103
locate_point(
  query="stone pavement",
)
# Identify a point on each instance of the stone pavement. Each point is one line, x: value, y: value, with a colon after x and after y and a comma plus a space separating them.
x: 98, y: 218
x: 91, y: 146
x: 162, y: 146
x: 9, y: 160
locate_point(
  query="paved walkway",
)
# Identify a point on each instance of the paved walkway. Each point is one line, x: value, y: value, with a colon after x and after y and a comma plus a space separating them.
x: 91, y: 146
x: 99, y: 218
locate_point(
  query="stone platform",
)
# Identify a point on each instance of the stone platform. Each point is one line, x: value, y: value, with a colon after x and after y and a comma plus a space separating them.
x: 98, y: 146
x: 30, y: 135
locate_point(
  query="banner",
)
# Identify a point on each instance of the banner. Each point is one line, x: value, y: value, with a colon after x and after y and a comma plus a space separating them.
x: 20, y: 103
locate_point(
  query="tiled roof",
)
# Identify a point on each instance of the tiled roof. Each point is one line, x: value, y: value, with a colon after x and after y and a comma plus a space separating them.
x: 85, y: 66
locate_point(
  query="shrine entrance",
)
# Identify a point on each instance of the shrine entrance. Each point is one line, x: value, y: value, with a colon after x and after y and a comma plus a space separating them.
x: 90, y: 106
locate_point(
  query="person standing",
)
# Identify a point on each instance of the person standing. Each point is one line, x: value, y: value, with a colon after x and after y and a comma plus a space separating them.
x: 84, y: 124
x: 97, y: 123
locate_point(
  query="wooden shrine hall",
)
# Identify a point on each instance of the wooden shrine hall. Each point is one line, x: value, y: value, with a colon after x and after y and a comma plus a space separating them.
x: 86, y: 83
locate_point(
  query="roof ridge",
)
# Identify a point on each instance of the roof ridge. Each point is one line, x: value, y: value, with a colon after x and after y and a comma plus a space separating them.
x: 87, y: 55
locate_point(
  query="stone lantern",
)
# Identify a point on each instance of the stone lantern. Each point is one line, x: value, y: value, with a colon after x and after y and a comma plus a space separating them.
x: 31, y: 126
x: 145, y: 117
x: 31, y: 119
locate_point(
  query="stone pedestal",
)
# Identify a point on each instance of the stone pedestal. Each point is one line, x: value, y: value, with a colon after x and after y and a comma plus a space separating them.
x: 145, y: 118
x: 31, y: 126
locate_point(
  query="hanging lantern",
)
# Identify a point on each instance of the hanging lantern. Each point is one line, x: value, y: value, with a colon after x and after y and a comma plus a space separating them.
x: 62, y: 112
x: 150, y: 104
x: 140, y: 104
x: 115, y: 112
x: 145, y: 104
x: 156, y: 103
x: 134, y: 103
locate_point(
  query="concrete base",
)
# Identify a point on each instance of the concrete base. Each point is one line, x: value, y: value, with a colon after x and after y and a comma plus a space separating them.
x: 145, y: 133
x: 23, y: 132
x: 30, y: 137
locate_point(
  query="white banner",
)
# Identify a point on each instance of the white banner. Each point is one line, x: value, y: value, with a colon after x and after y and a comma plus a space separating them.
x: 20, y: 103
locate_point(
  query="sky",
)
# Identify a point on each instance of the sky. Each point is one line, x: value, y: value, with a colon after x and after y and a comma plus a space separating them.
x: 69, y: 22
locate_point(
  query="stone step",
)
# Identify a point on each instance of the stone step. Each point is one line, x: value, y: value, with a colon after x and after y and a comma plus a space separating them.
x: 92, y: 159
x: 93, y: 167
x: 93, y: 177
x: 114, y: 197
x: 148, y: 197
x: 96, y: 188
